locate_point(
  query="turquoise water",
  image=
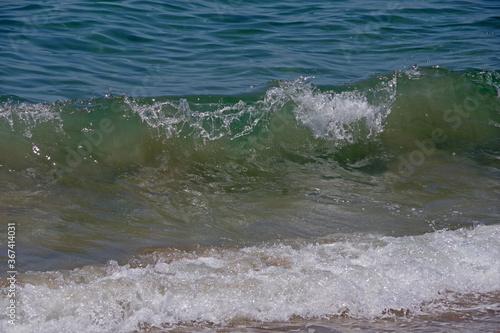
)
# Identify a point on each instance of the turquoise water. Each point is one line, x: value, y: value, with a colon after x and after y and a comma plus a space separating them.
x: 76, y: 49
x: 234, y: 166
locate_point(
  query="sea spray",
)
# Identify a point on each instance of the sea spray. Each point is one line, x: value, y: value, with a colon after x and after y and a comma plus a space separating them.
x: 360, y: 276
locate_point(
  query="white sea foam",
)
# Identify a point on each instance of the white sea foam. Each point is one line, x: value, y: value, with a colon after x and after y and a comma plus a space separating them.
x: 209, y: 122
x: 339, y: 117
x: 29, y: 115
x: 361, y: 276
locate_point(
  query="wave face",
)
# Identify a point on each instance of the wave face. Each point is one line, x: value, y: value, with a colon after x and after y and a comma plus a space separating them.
x: 121, y: 131
x: 376, y: 119
x: 358, y: 276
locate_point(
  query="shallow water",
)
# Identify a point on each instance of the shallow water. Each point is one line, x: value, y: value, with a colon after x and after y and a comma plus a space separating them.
x: 226, y: 166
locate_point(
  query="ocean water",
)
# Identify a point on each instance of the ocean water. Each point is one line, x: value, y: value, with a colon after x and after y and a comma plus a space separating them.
x: 232, y: 166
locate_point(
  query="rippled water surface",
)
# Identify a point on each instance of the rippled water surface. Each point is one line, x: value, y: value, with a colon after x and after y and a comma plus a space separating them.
x: 79, y: 49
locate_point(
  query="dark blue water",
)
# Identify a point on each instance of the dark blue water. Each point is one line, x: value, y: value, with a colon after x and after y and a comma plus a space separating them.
x: 239, y: 166
x: 54, y: 50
